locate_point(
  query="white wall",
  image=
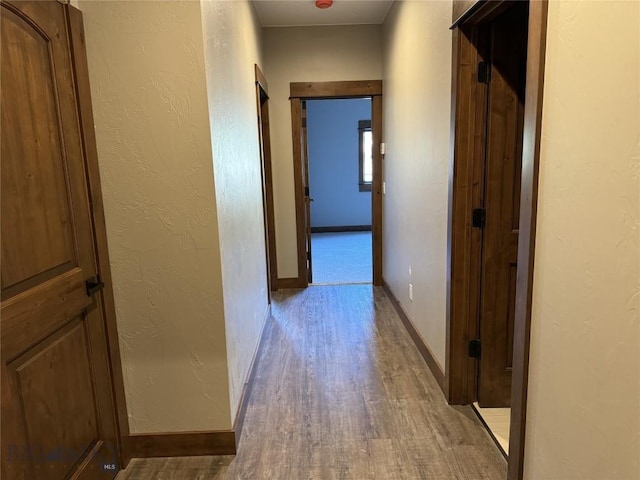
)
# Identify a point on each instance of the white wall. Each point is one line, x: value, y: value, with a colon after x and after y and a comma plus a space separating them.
x: 417, y: 109
x: 334, y: 163
x: 146, y: 68
x: 232, y: 46
x: 315, y: 54
x: 583, y: 418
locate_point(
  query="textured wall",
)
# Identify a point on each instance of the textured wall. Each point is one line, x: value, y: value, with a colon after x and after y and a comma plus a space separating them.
x: 147, y: 77
x: 417, y: 109
x: 314, y: 54
x: 334, y: 163
x: 232, y: 47
x: 584, y: 388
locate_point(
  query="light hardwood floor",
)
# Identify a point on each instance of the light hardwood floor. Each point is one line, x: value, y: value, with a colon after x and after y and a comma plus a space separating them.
x: 341, y: 392
x: 498, y: 420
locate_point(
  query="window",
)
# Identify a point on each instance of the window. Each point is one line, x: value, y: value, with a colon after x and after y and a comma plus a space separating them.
x: 365, y: 155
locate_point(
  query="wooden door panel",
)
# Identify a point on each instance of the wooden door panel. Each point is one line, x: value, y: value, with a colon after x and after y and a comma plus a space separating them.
x: 54, y: 384
x: 58, y: 418
x: 40, y: 311
x: 505, y: 112
x: 34, y: 193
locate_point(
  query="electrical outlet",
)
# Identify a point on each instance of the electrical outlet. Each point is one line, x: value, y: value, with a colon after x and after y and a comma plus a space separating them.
x: 411, y: 292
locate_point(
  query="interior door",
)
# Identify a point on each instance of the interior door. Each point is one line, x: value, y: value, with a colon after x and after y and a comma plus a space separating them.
x: 307, y: 197
x: 505, y: 114
x: 58, y: 417
x: 265, y: 177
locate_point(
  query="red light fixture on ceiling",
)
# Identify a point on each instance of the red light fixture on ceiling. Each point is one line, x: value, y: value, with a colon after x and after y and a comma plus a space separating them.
x: 324, y: 3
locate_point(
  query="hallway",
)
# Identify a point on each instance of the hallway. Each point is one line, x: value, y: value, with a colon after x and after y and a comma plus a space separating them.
x: 341, y: 392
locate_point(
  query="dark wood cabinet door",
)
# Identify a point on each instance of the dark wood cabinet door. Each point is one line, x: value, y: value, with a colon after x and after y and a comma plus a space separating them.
x: 58, y: 418
x: 505, y: 115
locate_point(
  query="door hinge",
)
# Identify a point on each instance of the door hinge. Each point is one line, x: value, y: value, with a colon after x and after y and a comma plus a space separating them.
x: 479, y: 218
x: 93, y: 286
x: 308, y: 255
x: 304, y: 122
x: 484, y: 72
x: 306, y: 191
x: 475, y: 348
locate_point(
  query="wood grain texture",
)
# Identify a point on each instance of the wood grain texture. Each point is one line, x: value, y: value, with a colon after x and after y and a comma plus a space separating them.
x: 294, y: 282
x: 261, y: 80
x: 465, y: 193
x: 503, y: 160
x: 536, y: 50
x: 347, y: 89
x: 58, y: 415
x: 266, y: 176
x: 180, y: 444
x: 341, y: 392
x: 419, y: 342
x: 268, y: 187
x: 298, y: 181
x: 38, y: 197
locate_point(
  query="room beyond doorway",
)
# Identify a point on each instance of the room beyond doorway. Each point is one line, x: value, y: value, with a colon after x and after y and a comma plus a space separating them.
x: 341, y: 258
x: 340, y: 169
x: 300, y: 94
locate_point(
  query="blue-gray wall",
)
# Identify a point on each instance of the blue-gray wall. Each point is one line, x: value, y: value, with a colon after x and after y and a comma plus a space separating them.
x: 332, y: 129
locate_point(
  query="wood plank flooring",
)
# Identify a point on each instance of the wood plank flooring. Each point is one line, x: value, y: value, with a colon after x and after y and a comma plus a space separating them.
x: 341, y: 392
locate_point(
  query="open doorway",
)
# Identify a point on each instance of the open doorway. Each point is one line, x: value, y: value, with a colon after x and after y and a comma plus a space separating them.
x: 502, y: 72
x: 340, y: 159
x: 497, y: 81
x: 301, y: 94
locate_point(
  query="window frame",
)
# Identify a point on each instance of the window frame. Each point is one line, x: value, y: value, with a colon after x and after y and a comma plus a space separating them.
x: 363, y: 126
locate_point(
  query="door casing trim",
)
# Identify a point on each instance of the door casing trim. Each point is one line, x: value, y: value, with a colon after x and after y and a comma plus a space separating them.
x: 460, y: 371
x: 300, y: 91
x: 266, y: 173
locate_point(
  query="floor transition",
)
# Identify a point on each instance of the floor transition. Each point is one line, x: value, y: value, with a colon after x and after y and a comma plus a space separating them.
x: 341, y: 392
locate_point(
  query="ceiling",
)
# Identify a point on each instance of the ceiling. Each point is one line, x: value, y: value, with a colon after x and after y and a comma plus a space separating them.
x: 289, y: 13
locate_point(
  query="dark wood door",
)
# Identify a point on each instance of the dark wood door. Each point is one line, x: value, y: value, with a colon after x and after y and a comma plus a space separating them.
x: 58, y: 417
x: 505, y: 113
x: 307, y: 188
x: 265, y: 177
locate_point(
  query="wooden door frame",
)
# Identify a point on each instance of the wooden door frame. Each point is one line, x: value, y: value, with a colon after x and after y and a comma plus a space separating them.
x: 300, y: 91
x: 104, y: 298
x: 264, y: 138
x: 462, y: 244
